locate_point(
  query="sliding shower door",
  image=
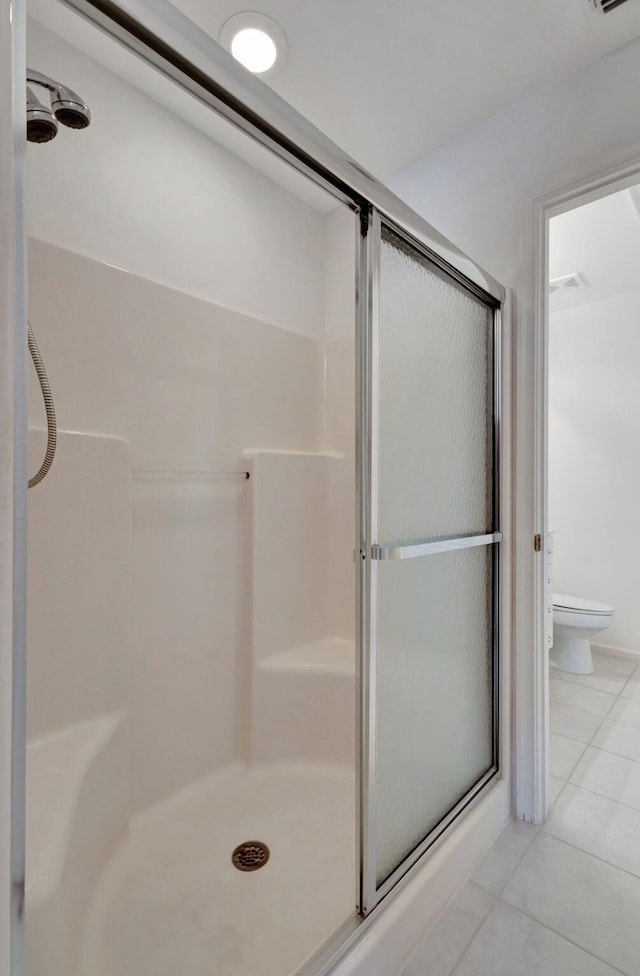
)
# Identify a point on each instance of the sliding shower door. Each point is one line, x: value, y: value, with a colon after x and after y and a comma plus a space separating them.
x: 431, y: 555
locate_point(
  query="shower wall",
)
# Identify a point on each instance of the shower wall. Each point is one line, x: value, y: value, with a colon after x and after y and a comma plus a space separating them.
x: 201, y: 322
x: 144, y: 190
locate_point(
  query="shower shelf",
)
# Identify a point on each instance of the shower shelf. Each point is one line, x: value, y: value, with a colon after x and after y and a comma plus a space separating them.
x: 190, y: 475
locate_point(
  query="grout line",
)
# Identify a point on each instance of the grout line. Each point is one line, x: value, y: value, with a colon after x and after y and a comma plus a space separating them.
x: 565, y: 782
x: 542, y: 829
x: 603, y: 796
x: 596, y: 857
x: 621, y: 721
x: 484, y: 921
x: 562, y: 682
x: 596, y: 730
x: 476, y: 929
x: 536, y: 831
x: 585, y: 746
x: 443, y: 914
x: 560, y: 675
x: 607, y: 752
x: 581, y: 741
x: 617, y: 698
x: 562, y: 936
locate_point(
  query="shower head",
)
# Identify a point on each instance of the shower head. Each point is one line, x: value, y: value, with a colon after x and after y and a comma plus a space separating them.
x: 66, y: 107
x: 69, y: 108
x: 41, y: 124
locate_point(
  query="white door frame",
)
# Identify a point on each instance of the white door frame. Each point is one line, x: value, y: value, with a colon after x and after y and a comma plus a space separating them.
x: 583, y: 184
x: 13, y: 480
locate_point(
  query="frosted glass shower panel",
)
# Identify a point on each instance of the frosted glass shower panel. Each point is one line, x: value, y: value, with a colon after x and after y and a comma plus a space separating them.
x: 435, y: 390
x: 434, y: 536
x: 435, y: 653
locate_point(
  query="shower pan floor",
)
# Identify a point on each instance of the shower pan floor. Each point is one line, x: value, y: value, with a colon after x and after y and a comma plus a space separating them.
x: 170, y: 900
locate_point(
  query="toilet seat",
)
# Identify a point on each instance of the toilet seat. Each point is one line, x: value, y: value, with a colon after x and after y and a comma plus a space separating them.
x: 578, y: 605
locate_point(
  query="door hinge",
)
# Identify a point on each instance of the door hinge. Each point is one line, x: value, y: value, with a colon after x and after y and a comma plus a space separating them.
x: 537, y: 543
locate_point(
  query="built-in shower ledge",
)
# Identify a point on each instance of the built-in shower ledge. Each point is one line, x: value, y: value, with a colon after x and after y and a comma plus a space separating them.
x: 304, y: 704
x: 57, y: 768
x: 330, y: 655
x: 76, y: 813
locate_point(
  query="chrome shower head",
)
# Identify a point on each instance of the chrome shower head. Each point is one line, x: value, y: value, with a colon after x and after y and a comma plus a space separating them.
x: 41, y: 124
x: 69, y: 108
x: 66, y: 107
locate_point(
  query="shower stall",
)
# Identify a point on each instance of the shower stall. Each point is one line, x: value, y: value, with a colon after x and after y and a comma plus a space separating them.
x: 264, y: 569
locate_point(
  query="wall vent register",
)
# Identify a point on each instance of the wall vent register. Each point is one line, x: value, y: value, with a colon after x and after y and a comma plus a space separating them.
x: 606, y: 6
x: 570, y: 282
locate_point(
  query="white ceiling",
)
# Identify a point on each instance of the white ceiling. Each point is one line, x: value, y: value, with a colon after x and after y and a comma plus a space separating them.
x: 601, y: 241
x: 391, y: 80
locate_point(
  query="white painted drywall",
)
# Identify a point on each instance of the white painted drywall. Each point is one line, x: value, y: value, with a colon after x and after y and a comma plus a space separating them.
x: 145, y: 191
x: 594, y: 457
x: 479, y: 190
x: 594, y: 402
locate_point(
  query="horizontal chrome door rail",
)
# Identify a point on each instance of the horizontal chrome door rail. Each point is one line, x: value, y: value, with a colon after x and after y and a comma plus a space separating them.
x: 429, y: 548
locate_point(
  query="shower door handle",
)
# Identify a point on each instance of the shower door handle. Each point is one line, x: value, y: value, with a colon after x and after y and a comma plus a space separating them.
x: 414, y: 549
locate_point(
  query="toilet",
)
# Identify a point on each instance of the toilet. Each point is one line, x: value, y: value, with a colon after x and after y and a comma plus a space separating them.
x: 575, y: 622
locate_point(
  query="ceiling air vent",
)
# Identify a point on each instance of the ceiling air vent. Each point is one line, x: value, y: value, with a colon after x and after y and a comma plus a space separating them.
x: 606, y: 6
x: 566, y: 283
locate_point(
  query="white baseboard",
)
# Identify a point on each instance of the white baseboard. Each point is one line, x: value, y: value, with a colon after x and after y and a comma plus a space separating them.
x: 617, y: 652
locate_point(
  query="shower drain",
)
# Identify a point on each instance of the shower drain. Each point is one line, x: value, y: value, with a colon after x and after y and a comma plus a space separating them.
x: 250, y: 856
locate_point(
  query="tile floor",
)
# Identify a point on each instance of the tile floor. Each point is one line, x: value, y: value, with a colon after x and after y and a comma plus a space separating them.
x: 562, y: 899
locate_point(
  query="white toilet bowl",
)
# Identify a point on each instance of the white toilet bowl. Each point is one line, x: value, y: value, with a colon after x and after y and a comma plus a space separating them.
x: 575, y: 622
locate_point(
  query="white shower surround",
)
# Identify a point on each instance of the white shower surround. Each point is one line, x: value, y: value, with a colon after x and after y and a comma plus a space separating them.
x: 422, y: 898
x: 150, y: 378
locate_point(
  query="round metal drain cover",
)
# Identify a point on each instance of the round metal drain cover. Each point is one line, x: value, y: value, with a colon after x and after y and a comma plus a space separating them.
x: 250, y: 856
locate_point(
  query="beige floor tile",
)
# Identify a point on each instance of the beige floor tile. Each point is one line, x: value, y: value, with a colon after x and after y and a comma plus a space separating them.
x: 442, y: 948
x: 498, y: 865
x: 563, y: 755
x: 623, y: 740
x: 587, y: 699
x: 555, y: 788
x: 586, y: 901
x: 600, y: 680
x: 572, y: 722
x: 609, y: 775
x: 598, y: 825
x: 511, y: 944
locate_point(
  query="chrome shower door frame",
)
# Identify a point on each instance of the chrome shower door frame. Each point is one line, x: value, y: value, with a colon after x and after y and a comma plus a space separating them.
x: 371, y: 554
x: 157, y: 32
x: 13, y: 484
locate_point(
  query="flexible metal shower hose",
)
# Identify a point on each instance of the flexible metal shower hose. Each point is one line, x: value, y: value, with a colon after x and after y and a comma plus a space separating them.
x: 43, y: 379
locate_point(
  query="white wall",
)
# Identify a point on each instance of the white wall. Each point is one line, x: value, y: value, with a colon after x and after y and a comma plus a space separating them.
x: 594, y: 457
x: 139, y: 180
x: 479, y: 190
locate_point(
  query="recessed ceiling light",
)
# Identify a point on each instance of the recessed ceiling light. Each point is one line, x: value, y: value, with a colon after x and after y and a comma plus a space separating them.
x: 255, y: 41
